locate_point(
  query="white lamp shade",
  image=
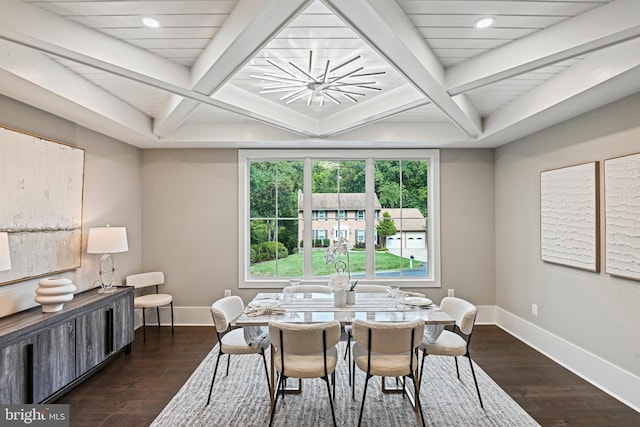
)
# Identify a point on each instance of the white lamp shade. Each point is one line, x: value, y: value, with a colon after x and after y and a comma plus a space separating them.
x: 5, y: 256
x: 107, y: 240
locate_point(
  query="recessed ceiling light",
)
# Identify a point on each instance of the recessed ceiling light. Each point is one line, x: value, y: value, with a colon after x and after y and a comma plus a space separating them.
x: 485, y: 22
x: 150, y: 22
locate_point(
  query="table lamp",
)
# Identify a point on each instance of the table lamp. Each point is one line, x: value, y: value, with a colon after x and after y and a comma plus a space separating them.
x: 107, y: 240
x: 5, y: 255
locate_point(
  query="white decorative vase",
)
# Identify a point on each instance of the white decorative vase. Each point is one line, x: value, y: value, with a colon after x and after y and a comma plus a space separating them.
x: 351, y: 297
x: 53, y: 292
x: 340, y: 298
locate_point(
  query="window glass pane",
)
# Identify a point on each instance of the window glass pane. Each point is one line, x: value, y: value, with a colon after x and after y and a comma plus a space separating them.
x: 338, y: 188
x: 402, y: 188
x: 262, y: 190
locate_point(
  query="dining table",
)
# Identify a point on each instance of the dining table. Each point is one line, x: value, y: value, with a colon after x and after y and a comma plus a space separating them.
x: 321, y: 307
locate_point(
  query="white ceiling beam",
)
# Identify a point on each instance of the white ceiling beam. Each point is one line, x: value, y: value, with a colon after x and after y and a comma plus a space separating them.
x: 570, y: 93
x: 383, y: 25
x: 266, y: 111
x: 37, y: 80
x: 44, y: 31
x: 594, y: 29
x: 251, y: 25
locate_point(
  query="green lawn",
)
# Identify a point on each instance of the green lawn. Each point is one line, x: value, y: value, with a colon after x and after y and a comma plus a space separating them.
x: 292, y: 266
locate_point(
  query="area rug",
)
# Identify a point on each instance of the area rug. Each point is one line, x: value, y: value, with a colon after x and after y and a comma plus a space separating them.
x: 242, y: 399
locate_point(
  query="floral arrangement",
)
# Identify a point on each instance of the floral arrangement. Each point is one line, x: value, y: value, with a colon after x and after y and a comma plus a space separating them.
x: 339, y: 281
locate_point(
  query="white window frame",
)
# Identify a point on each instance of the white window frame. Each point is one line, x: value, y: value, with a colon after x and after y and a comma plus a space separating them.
x: 433, y: 204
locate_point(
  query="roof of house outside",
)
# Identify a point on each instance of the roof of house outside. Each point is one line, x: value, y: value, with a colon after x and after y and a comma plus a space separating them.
x: 412, y: 218
x: 329, y: 201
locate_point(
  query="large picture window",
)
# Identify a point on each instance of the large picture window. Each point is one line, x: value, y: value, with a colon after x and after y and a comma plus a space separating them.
x: 394, y: 194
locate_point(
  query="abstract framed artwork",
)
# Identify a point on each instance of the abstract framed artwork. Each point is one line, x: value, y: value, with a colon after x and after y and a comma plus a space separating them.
x: 622, y: 216
x: 569, y: 216
x: 41, y: 189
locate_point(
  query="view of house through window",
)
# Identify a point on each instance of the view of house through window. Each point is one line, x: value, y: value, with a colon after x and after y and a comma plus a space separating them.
x: 377, y: 208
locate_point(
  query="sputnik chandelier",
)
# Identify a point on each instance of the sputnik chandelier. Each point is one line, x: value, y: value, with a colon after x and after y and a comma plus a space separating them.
x: 300, y: 84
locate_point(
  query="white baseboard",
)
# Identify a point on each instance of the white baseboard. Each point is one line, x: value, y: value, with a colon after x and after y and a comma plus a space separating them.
x: 182, y: 316
x: 611, y: 379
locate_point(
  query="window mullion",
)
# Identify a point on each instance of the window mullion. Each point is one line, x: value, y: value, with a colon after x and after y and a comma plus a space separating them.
x: 306, y: 214
x: 369, y: 218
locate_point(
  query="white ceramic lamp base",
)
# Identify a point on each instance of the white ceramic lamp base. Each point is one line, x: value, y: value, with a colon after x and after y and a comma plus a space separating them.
x: 53, y: 293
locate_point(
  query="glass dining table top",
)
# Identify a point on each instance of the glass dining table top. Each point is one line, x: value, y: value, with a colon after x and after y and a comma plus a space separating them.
x: 317, y: 307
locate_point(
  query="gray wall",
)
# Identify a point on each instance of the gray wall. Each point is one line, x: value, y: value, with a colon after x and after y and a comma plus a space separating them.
x: 190, y: 226
x: 112, y: 193
x: 594, y: 311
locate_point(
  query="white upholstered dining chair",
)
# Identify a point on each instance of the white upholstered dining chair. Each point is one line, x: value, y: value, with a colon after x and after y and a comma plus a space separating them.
x: 157, y: 300
x: 454, y: 341
x: 361, y: 289
x: 304, y: 350
x: 232, y: 341
x: 387, y: 349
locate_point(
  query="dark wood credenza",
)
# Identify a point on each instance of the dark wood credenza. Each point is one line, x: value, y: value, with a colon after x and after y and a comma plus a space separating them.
x: 43, y: 355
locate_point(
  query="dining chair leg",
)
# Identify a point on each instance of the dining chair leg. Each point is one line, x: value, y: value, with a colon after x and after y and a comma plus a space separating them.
x: 475, y: 381
x: 333, y: 414
x: 172, y: 317
x: 275, y: 401
x: 364, y: 395
x: 416, y: 386
x: 353, y: 379
x: 228, y: 363
x: 424, y: 355
x: 266, y: 372
x: 457, y: 370
x: 144, y: 325
x: 214, y: 377
x: 158, y: 315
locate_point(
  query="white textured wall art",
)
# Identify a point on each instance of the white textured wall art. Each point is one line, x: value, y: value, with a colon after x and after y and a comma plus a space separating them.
x: 569, y: 219
x: 41, y: 184
x: 622, y: 216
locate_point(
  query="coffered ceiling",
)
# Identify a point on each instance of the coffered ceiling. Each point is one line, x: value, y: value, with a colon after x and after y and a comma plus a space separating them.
x: 318, y: 73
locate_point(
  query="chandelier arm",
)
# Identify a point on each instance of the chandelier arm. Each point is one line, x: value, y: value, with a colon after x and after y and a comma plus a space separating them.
x: 299, y: 96
x: 369, y: 87
x: 344, y: 76
x: 346, y: 91
x: 278, y: 79
x: 347, y: 62
x: 284, y: 70
x: 290, y: 85
x: 373, y: 73
x: 303, y: 72
x: 331, y: 97
x: 294, y: 93
x: 282, y: 89
x: 351, y: 98
x: 353, y: 83
x: 321, y: 103
x: 326, y: 72
x: 310, y: 61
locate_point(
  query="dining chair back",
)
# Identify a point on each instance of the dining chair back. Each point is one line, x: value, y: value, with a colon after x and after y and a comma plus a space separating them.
x: 387, y: 349
x: 151, y: 300
x: 304, y: 351
x: 454, y: 341
x: 361, y: 289
x: 232, y: 341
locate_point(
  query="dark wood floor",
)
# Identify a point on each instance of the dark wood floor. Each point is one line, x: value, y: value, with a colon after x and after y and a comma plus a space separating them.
x: 133, y: 389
